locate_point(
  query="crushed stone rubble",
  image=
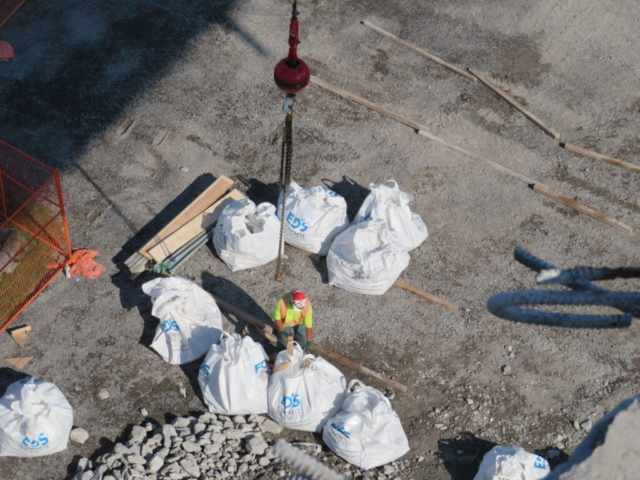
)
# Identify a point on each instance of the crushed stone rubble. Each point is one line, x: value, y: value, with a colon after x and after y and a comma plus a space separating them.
x: 212, y: 447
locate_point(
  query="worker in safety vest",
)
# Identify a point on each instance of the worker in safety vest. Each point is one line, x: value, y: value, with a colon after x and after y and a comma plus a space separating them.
x: 293, y: 315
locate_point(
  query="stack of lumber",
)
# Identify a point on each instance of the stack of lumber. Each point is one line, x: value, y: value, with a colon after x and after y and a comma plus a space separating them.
x: 187, y: 228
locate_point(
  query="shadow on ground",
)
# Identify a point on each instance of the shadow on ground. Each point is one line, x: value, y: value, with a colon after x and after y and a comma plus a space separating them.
x: 462, y: 456
x: 79, y: 64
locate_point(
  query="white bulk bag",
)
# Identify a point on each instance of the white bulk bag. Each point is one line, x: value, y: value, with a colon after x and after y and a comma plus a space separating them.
x: 234, y: 376
x: 247, y: 236
x: 190, y: 321
x: 366, y: 431
x: 388, y: 203
x: 313, y: 217
x: 512, y: 463
x: 35, y: 419
x: 304, y: 390
x: 366, y: 258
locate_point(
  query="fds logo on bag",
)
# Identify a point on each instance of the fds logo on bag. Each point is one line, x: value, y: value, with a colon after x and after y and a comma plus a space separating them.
x: 261, y: 369
x: 170, y: 325
x: 341, y: 429
x: 41, y: 442
x: 291, y: 401
x: 206, y: 370
x: 224, y: 235
x: 540, y: 463
x: 297, y: 223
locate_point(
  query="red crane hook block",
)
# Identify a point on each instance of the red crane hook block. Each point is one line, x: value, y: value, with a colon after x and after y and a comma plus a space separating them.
x: 292, y: 74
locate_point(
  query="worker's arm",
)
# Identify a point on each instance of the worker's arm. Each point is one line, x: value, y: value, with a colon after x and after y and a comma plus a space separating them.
x: 276, y: 315
x: 309, y: 334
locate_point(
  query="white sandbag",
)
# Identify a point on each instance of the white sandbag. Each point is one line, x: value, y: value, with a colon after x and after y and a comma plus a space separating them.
x: 388, y: 203
x: 190, y: 320
x: 313, y: 217
x: 247, y: 236
x: 366, y: 431
x: 234, y: 376
x: 304, y: 390
x: 512, y: 463
x: 366, y: 258
x: 35, y: 419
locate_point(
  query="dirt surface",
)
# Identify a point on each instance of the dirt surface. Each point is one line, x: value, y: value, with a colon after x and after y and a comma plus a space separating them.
x: 201, y: 73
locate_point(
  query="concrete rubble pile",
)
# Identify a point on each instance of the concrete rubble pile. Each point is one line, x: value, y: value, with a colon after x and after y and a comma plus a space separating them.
x: 210, y: 447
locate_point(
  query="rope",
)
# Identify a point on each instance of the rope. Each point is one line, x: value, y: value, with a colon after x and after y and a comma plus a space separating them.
x: 506, y: 305
x: 311, y: 469
x: 285, y: 180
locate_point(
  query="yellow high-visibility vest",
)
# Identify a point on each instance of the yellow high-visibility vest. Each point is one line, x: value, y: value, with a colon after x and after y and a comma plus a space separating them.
x: 291, y: 317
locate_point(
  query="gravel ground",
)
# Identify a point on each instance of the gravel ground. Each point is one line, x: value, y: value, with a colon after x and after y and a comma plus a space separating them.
x: 200, y: 72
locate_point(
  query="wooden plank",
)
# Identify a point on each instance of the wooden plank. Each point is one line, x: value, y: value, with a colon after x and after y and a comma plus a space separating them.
x: 515, y: 104
x: 597, y: 156
x: 427, y: 296
x: 263, y: 326
x: 204, y: 200
x: 18, y: 362
x: 357, y: 367
x: 19, y: 335
x: 192, y: 228
x: 543, y: 190
x: 354, y: 98
x: 419, y: 51
x: 496, y: 166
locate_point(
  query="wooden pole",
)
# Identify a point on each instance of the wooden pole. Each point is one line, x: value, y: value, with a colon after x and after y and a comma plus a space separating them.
x: 597, y: 156
x: 543, y: 189
x: 267, y: 331
x: 427, y: 296
x: 548, y: 130
x: 419, y: 51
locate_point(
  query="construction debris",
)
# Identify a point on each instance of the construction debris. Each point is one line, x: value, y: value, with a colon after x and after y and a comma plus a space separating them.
x: 515, y: 104
x: 19, y: 335
x: 424, y: 131
x: 419, y: 51
x: 597, y: 156
x: 18, y: 362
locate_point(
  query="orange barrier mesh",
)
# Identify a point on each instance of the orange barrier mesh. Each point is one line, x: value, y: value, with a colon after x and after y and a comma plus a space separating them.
x: 8, y: 8
x: 34, y: 239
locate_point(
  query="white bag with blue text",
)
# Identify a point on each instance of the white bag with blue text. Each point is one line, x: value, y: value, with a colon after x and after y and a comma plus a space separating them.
x: 234, y: 376
x: 366, y: 432
x: 366, y: 258
x: 190, y: 320
x: 304, y: 390
x: 512, y: 463
x: 313, y: 217
x: 35, y: 419
x: 388, y: 203
x: 247, y: 236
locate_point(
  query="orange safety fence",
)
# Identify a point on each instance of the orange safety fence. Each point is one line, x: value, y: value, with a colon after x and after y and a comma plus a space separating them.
x: 8, y: 8
x: 34, y: 237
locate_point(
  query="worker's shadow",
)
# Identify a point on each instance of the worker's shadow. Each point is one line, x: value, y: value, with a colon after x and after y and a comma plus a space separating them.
x: 353, y: 193
x: 462, y: 456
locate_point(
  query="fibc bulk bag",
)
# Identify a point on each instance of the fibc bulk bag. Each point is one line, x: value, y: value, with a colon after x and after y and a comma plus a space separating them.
x: 366, y: 258
x: 35, y: 419
x: 313, y: 217
x: 388, y: 203
x: 366, y: 431
x: 234, y: 376
x: 304, y: 390
x: 247, y: 236
x: 512, y: 463
x: 190, y: 321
